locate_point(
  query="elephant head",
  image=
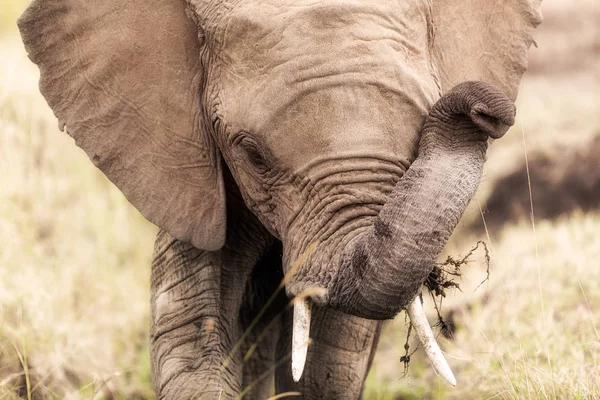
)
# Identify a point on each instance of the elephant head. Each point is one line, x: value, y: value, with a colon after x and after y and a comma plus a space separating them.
x: 357, y: 126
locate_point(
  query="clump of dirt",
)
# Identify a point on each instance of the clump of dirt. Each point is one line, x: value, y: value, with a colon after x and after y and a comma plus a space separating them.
x: 442, y: 277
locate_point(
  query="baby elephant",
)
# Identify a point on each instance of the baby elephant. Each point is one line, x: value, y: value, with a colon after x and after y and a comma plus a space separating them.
x: 315, y: 151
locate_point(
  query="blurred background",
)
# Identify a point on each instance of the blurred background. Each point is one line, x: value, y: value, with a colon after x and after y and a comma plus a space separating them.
x: 74, y: 255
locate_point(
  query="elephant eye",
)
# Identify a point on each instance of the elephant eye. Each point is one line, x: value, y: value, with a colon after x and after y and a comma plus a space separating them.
x: 254, y: 154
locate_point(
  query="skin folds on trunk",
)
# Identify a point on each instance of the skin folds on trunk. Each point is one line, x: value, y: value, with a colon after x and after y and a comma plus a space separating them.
x: 383, y: 269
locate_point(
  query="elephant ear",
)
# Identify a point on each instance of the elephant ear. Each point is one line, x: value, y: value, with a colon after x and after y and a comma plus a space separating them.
x: 125, y: 79
x: 483, y: 40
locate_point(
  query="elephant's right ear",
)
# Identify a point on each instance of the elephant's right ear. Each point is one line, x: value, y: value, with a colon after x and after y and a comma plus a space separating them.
x: 125, y: 79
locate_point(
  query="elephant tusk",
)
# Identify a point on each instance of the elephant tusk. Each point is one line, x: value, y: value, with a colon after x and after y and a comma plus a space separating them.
x: 300, y: 336
x: 418, y: 319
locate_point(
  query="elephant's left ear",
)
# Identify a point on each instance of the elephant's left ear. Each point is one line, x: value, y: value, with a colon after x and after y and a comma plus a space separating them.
x: 484, y: 40
x: 125, y: 78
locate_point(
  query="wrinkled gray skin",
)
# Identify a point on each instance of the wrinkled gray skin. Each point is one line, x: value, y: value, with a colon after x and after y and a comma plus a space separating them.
x: 250, y: 130
x: 369, y: 256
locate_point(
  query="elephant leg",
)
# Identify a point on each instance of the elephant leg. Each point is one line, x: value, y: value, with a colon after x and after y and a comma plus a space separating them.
x: 257, y: 370
x: 264, y: 302
x: 338, y: 359
x: 185, y: 339
x: 196, y: 301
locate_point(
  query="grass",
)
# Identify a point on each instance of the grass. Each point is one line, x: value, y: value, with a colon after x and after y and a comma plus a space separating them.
x: 74, y: 264
x: 502, y: 342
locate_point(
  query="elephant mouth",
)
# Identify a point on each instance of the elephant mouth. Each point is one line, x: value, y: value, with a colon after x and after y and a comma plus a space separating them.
x: 418, y: 320
x: 315, y: 294
x: 306, y: 295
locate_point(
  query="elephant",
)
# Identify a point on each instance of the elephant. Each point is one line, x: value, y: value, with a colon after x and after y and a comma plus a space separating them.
x: 319, y: 151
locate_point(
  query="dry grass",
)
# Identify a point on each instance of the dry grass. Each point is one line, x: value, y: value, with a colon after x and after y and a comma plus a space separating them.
x: 74, y: 262
x: 74, y: 265
x: 502, y: 341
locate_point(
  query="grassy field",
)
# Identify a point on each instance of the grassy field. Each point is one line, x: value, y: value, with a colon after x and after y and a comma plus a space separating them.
x: 74, y: 265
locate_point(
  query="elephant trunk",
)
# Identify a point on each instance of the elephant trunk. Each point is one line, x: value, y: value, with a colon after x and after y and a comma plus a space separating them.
x: 383, y: 269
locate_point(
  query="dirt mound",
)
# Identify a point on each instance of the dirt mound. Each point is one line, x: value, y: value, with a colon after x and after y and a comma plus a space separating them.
x: 563, y: 180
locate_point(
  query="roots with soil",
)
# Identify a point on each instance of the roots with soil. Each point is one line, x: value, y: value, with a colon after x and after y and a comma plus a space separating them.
x: 443, y: 277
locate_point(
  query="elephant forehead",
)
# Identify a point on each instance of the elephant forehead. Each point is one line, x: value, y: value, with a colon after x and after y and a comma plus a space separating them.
x: 323, y: 65
x: 263, y: 35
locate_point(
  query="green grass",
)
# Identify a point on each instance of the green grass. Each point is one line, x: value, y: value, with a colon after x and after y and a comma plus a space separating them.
x: 74, y: 265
